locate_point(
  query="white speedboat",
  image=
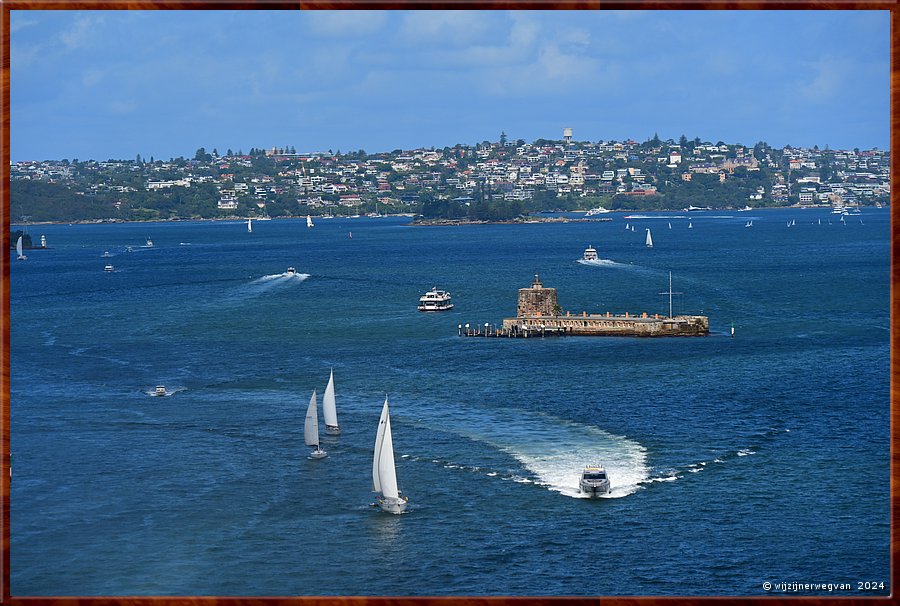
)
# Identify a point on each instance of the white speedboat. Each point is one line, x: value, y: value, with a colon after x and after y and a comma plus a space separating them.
x: 384, y: 471
x: 590, y: 254
x: 435, y: 300
x: 160, y: 391
x: 109, y: 268
x: 149, y: 243
x: 291, y: 271
x: 594, y: 481
x: 745, y: 209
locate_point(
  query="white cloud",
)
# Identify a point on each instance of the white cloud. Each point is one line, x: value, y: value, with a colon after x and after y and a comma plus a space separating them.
x: 826, y: 78
x: 122, y: 107
x: 80, y: 32
x: 345, y: 23
x: 443, y: 27
x: 17, y: 22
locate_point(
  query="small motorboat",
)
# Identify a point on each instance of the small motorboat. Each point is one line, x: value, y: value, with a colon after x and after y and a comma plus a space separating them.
x: 160, y: 391
x: 594, y: 481
x: 291, y: 271
x: 109, y: 268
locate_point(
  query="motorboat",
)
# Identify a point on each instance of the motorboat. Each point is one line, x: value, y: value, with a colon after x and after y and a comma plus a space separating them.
x: 160, y: 391
x: 106, y: 254
x: 596, y: 211
x: 590, y: 254
x: 149, y: 243
x: 594, y: 481
x: 435, y: 300
x: 109, y: 268
x: 291, y: 271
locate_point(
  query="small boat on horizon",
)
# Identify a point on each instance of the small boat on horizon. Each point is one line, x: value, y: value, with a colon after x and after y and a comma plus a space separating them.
x: 596, y: 211
x: 249, y: 226
x: 309, y: 221
x: 649, y: 241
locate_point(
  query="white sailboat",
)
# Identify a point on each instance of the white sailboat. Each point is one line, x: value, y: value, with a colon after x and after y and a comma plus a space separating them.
x: 309, y: 222
x: 690, y: 225
x: 749, y: 224
x: 649, y: 241
x: 329, y: 410
x: 627, y: 226
x: 311, y: 429
x: 670, y: 226
x: 249, y: 226
x: 384, y: 472
x: 19, y: 255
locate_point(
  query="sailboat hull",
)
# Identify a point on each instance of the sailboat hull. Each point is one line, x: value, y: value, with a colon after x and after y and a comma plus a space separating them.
x: 391, y: 505
x: 317, y: 454
x: 332, y: 430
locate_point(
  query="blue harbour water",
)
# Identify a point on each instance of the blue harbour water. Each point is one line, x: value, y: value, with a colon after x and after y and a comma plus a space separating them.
x: 734, y: 461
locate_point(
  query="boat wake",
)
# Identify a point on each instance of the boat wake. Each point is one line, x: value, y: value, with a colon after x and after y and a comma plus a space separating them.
x: 553, y: 450
x: 170, y: 391
x: 607, y: 263
x: 673, y: 474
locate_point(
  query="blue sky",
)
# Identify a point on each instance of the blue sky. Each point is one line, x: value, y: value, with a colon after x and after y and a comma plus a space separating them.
x: 114, y: 84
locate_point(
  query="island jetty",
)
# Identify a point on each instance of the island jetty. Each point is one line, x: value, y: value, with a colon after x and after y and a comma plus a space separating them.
x: 539, y: 315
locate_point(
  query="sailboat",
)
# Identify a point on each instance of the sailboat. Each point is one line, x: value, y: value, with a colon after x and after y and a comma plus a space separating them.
x: 649, y: 239
x: 749, y: 224
x: 311, y: 429
x: 384, y: 472
x: 329, y: 411
x: 309, y: 222
x: 19, y: 255
x: 626, y: 226
x: 670, y: 226
x: 632, y: 228
x: 249, y: 226
x: 690, y: 225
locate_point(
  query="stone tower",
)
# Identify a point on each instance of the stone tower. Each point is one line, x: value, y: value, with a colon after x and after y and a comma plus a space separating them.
x: 537, y: 300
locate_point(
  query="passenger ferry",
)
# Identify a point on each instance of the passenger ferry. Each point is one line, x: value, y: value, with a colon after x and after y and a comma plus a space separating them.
x: 435, y: 300
x: 590, y: 254
x: 594, y: 481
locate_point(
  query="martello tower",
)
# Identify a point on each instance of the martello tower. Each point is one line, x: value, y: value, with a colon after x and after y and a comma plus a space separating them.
x: 537, y: 300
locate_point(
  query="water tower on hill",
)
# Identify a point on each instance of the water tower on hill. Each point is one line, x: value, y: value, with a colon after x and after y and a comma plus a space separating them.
x: 567, y: 135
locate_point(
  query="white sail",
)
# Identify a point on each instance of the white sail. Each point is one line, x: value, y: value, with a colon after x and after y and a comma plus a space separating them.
x: 311, y: 427
x: 384, y: 471
x: 649, y: 239
x: 329, y: 410
x: 379, y: 440
x: 249, y: 225
x: 19, y: 248
x: 309, y: 222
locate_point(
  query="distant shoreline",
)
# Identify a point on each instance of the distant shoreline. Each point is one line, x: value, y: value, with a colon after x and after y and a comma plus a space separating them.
x: 431, y: 222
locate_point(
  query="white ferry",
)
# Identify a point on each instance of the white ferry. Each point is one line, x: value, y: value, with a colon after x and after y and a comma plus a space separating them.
x: 435, y: 300
x: 590, y: 254
x: 594, y: 481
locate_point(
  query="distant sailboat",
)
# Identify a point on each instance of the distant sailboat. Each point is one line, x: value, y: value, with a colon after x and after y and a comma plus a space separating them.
x: 632, y: 228
x: 690, y: 225
x: 249, y: 226
x: 329, y: 410
x: 384, y: 472
x: 351, y: 235
x: 670, y: 226
x: 309, y: 222
x: 749, y: 224
x: 149, y: 242
x: 19, y: 255
x: 649, y: 241
x: 793, y: 223
x: 626, y: 226
x: 311, y: 429
x: 732, y: 329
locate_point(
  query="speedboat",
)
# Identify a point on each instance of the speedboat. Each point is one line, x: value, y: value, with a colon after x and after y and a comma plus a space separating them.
x: 109, y: 268
x: 291, y: 271
x: 149, y: 243
x: 106, y: 254
x: 160, y: 390
x: 435, y: 300
x: 590, y: 254
x: 594, y: 481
